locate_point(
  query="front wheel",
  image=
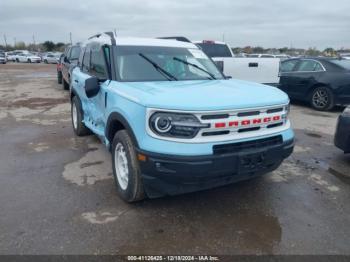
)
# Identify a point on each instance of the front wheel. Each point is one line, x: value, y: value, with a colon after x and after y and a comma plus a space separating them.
x: 126, y: 170
x: 77, y: 115
x: 322, y: 99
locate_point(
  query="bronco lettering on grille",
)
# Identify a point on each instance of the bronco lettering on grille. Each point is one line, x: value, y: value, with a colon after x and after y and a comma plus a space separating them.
x: 247, y: 122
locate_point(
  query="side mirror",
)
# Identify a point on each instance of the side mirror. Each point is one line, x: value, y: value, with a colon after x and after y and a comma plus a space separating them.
x: 92, y: 86
x: 66, y: 60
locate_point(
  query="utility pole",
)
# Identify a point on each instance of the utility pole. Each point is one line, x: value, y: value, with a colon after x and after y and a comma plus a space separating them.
x: 33, y: 39
x: 5, y: 40
x: 70, y: 37
x: 223, y: 37
x: 15, y: 41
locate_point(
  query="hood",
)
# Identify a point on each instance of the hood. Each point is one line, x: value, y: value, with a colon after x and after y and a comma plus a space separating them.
x: 201, y: 95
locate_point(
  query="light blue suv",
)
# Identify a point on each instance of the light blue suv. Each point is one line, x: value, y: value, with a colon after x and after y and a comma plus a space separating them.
x: 172, y: 121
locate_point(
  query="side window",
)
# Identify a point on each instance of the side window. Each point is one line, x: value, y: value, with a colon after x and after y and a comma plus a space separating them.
x: 97, y: 63
x: 86, y: 60
x: 288, y: 66
x: 309, y: 66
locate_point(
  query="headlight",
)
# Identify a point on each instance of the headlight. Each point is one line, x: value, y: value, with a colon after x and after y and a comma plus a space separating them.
x: 175, y: 124
x: 286, y: 110
x: 346, y: 112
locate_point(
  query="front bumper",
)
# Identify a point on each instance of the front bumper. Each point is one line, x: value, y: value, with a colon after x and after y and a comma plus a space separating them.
x: 171, y: 175
x: 342, y: 134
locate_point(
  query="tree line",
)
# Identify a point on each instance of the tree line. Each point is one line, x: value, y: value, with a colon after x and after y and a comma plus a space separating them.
x: 47, y: 46
x: 312, y: 51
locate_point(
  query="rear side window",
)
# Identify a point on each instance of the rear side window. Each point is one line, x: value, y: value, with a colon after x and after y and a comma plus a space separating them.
x: 309, y: 66
x: 215, y: 50
x: 288, y: 66
x: 97, y: 63
x: 86, y: 61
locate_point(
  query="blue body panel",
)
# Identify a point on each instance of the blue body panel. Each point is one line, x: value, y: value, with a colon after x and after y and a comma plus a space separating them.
x: 131, y: 100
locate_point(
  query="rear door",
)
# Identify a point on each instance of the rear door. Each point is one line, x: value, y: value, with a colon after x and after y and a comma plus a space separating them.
x: 287, y: 74
x: 305, y: 75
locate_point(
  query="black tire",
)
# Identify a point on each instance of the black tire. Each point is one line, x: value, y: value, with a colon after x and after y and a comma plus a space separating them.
x: 133, y: 191
x: 45, y: 61
x: 59, y: 77
x: 79, y: 127
x: 17, y: 60
x: 65, y: 85
x: 322, y: 98
x: 29, y: 61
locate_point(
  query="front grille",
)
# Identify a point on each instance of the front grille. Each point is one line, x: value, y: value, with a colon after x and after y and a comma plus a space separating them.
x: 248, y: 145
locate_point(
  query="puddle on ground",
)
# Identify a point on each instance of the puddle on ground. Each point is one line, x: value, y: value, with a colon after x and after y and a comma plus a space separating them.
x: 38, y: 102
x: 93, y: 167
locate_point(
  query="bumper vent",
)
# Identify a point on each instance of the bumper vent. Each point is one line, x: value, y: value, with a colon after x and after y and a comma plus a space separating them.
x: 248, y: 145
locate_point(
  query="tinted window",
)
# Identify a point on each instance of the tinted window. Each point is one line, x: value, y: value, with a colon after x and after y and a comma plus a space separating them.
x: 97, y: 63
x: 86, y: 61
x: 288, y: 66
x: 309, y: 66
x: 75, y: 52
x: 215, y: 50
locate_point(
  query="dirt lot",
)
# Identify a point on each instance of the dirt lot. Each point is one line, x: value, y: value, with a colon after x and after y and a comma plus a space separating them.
x: 57, y: 194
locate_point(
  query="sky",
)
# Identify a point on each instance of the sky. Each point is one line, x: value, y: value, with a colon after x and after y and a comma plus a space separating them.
x: 267, y: 23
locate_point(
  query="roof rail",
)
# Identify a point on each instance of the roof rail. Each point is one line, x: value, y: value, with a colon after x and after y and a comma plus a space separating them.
x: 110, y: 34
x: 178, y: 38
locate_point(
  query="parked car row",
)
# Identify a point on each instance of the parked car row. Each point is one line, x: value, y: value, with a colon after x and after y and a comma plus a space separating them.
x: 24, y: 56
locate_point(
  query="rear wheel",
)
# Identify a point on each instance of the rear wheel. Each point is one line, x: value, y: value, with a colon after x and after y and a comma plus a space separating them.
x: 29, y: 61
x: 322, y: 98
x: 65, y: 85
x: 77, y: 115
x: 45, y: 61
x: 126, y: 170
x: 59, y: 77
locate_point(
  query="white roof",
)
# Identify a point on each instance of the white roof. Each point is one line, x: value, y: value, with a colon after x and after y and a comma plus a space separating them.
x: 138, y: 41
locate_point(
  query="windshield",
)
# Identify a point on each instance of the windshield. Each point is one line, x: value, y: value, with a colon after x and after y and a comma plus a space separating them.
x: 75, y: 53
x: 342, y: 63
x: 215, y: 50
x: 150, y: 63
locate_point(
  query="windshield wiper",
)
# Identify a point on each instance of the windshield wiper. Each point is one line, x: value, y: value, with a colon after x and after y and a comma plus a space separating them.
x: 159, y: 68
x: 195, y: 66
